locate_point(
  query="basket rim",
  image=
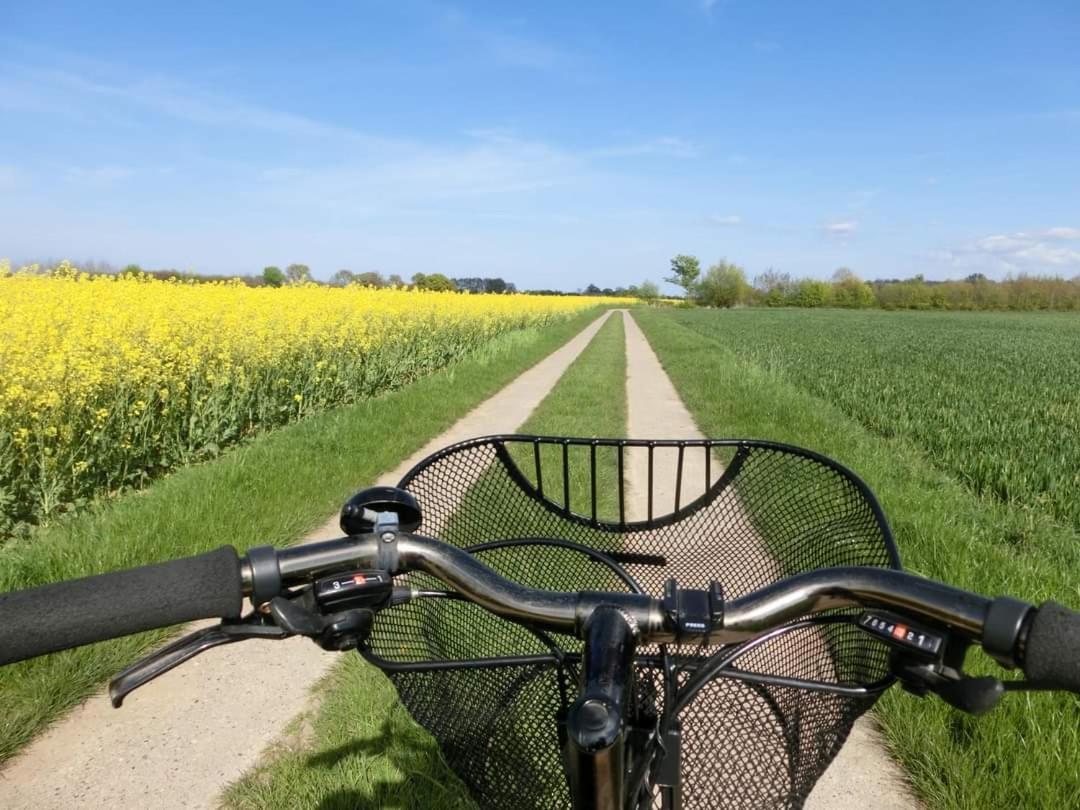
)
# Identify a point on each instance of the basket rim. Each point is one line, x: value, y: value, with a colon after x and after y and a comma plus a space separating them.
x: 743, y: 447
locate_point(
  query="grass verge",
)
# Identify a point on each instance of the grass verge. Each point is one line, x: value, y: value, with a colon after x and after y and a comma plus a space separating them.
x: 357, y: 750
x: 363, y: 750
x: 273, y: 490
x: 988, y: 397
x: 1024, y: 754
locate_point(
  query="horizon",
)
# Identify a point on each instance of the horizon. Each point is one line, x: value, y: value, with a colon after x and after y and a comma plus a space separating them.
x: 388, y: 280
x: 554, y: 149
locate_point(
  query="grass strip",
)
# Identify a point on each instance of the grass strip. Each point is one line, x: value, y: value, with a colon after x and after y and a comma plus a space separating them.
x: 590, y: 399
x: 363, y: 750
x: 1023, y: 754
x: 274, y: 489
x: 358, y: 749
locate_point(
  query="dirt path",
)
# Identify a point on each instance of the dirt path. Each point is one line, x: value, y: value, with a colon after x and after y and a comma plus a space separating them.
x: 863, y: 775
x: 180, y: 740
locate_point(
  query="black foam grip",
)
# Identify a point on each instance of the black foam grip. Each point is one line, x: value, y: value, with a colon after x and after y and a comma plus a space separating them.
x: 1052, y: 653
x: 82, y: 611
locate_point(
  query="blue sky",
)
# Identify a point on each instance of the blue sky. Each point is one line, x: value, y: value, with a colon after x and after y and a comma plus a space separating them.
x: 553, y: 144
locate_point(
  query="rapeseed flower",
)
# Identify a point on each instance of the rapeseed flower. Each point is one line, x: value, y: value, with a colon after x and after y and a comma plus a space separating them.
x: 108, y: 381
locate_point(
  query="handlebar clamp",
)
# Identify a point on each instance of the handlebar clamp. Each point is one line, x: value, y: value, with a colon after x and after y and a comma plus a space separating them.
x: 265, y: 574
x: 1002, y: 629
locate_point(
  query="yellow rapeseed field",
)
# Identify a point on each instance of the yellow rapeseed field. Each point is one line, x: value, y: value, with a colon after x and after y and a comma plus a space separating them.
x: 106, y: 382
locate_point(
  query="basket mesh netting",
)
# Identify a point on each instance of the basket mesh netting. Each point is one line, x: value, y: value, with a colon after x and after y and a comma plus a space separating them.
x: 743, y: 513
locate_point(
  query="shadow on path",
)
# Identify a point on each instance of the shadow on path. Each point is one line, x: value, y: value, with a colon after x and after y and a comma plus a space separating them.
x: 425, y: 781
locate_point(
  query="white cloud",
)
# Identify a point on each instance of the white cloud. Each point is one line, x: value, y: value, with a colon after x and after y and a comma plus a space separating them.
x: 516, y: 51
x: 21, y: 95
x: 505, y: 47
x: 178, y: 101
x: 665, y: 146
x: 1000, y: 243
x: 863, y: 199
x: 98, y: 175
x: 729, y: 221
x: 9, y: 177
x: 844, y: 228
x: 492, y: 160
x: 359, y: 171
x: 1022, y: 251
x: 495, y: 162
x: 1041, y: 254
x: 1060, y: 233
x: 347, y: 175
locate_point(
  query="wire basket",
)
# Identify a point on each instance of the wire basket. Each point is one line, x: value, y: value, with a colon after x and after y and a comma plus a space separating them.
x: 745, y: 513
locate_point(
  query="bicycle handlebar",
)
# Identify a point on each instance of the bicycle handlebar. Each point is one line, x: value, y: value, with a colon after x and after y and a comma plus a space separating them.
x: 1051, y: 656
x: 82, y: 611
x: 1044, y: 641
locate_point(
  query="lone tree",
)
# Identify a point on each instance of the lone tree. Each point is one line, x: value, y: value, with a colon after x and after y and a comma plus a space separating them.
x: 298, y: 273
x: 475, y: 284
x: 370, y: 278
x: 648, y: 291
x: 724, y: 285
x: 684, y: 272
x: 273, y: 276
x: 342, y: 278
x: 851, y: 291
x: 777, y: 289
x: 436, y: 282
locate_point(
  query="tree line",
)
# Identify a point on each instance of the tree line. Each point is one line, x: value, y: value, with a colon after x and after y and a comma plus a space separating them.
x: 293, y: 274
x: 436, y: 282
x: 725, y: 284
x: 439, y: 282
x: 297, y: 273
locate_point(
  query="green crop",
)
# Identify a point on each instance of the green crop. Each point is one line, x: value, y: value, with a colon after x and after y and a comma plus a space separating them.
x: 993, y: 399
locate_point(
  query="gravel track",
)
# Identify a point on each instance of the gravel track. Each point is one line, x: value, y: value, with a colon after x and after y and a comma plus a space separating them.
x: 863, y: 774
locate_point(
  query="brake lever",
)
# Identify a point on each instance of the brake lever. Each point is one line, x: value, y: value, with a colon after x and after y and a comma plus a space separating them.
x: 337, y: 614
x: 254, y: 625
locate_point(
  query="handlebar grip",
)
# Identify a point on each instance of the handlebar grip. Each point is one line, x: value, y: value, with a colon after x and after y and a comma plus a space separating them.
x: 1052, y: 652
x: 81, y: 611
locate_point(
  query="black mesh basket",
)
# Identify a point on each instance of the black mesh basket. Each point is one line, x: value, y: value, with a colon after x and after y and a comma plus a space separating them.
x: 745, y: 513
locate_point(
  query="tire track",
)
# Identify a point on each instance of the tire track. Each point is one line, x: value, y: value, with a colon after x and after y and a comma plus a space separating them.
x: 863, y: 774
